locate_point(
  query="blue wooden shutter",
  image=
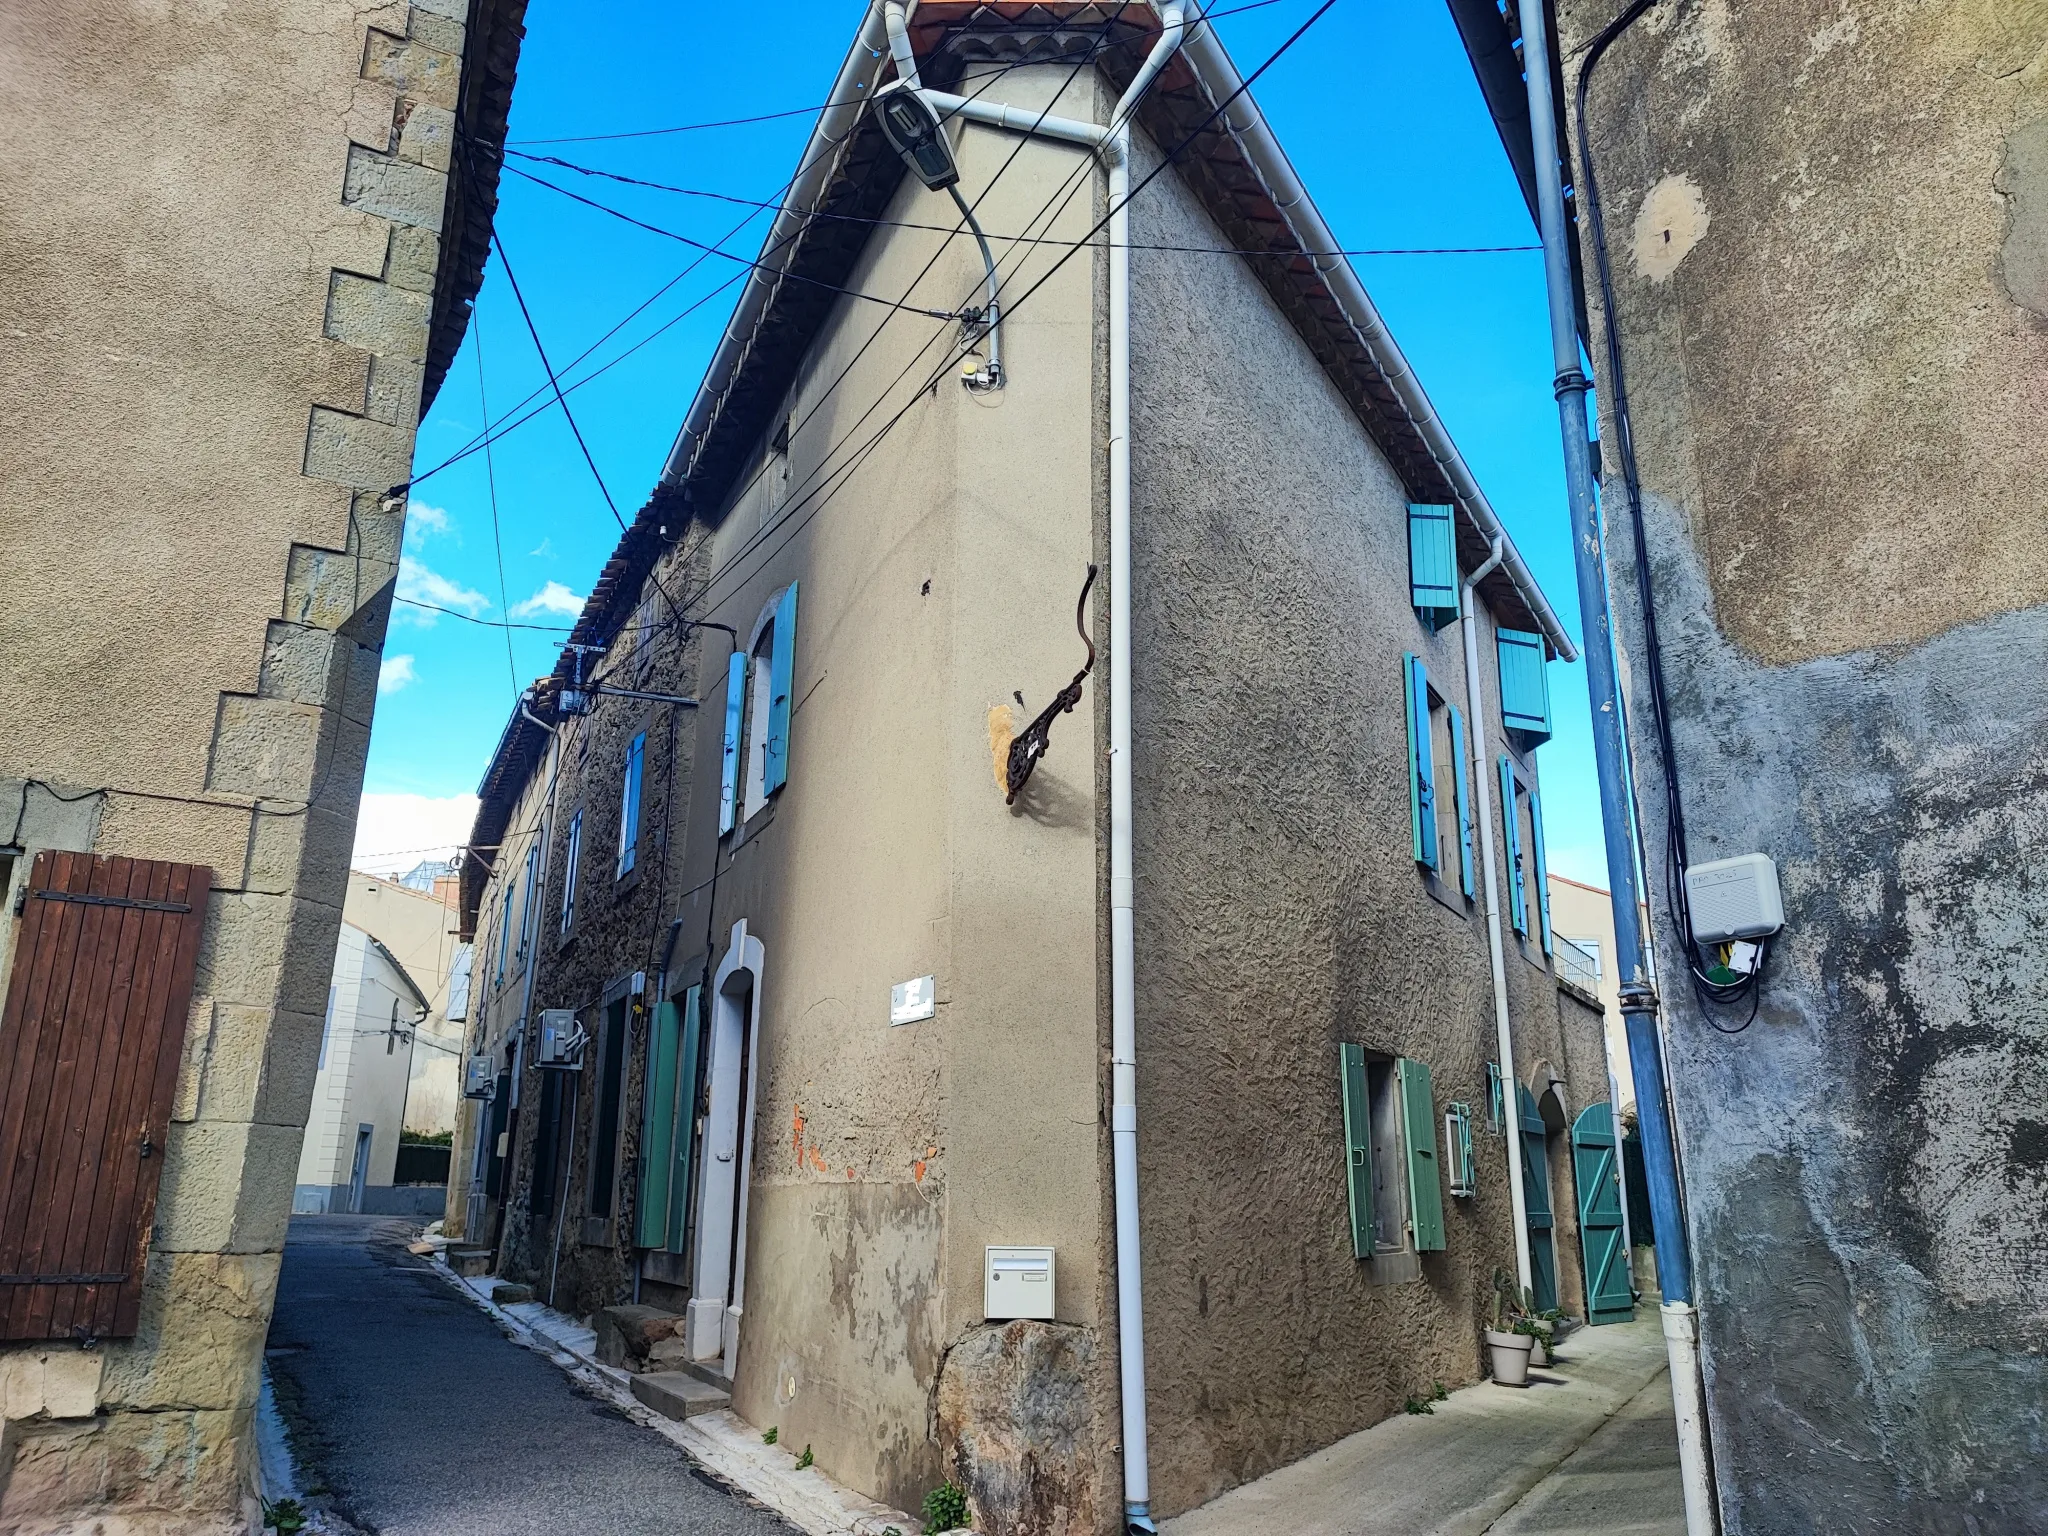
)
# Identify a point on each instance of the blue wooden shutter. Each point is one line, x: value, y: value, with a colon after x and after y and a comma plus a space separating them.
x: 1518, y: 909
x: 1610, y: 1289
x: 658, y: 1130
x: 1357, y: 1147
x: 1432, y: 564
x: 1418, y: 1129
x: 781, y: 678
x: 690, y: 1049
x: 629, y: 805
x: 1463, y: 801
x: 729, y: 769
x: 1542, y: 874
x: 1524, y: 684
x: 1421, y: 775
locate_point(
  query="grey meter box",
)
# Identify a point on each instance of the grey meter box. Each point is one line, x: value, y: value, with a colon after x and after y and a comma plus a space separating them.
x: 1734, y: 899
x: 1019, y: 1284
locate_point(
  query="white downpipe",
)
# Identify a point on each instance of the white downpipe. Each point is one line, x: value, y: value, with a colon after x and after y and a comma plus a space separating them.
x: 1688, y: 1397
x: 1113, y: 144
x: 1503, y: 1030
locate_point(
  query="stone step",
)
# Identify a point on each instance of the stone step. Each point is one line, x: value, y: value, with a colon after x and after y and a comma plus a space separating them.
x: 678, y: 1395
x: 706, y: 1371
x: 470, y: 1262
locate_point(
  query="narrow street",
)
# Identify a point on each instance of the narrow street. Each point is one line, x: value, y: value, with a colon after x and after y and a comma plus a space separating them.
x: 414, y: 1415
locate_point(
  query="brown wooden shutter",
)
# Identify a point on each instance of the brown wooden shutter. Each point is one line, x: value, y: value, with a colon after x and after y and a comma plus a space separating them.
x: 90, y: 1043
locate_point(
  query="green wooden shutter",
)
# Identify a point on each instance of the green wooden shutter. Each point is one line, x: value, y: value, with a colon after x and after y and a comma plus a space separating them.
x: 781, y: 679
x: 1518, y: 909
x: 1610, y: 1289
x: 1536, y: 1202
x: 658, y: 1130
x: 1463, y: 801
x: 1542, y: 874
x: 1432, y: 564
x: 1425, y: 1180
x: 691, y: 1047
x: 1357, y: 1146
x: 729, y: 768
x: 1421, y: 771
x: 1524, y: 683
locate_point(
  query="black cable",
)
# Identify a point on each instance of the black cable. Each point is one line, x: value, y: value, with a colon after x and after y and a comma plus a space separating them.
x: 1677, y: 852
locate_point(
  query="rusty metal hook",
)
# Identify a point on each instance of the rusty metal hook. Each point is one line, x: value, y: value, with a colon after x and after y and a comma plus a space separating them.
x: 1032, y: 742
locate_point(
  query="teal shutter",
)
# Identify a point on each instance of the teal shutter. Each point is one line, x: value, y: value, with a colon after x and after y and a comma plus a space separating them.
x: 1518, y: 909
x: 1610, y: 1289
x: 1463, y: 801
x: 1432, y: 564
x: 1524, y: 684
x: 690, y: 1048
x: 1421, y: 773
x: 1542, y: 874
x: 1467, y: 1181
x: 1357, y: 1147
x: 658, y: 1130
x: 1418, y: 1129
x: 1536, y: 1202
x: 729, y: 768
x: 781, y: 678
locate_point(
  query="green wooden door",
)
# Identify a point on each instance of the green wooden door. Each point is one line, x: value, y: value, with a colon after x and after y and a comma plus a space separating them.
x: 1610, y: 1297
x: 1536, y: 1195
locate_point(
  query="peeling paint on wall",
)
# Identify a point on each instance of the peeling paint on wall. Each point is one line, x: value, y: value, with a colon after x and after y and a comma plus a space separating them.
x: 2023, y: 182
x: 1672, y: 220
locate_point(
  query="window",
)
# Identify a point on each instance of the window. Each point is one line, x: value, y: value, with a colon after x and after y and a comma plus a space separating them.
x: 505, y: 930
x: 1433, y: 564
x: 1438, y: 799
x: 1524, y: 685
x: 1463, y: 1174
x: 1521, y: 807
x: 757, y: 710
x: 571, y: 857
x: 611, y: 1079
x: 529, y: 915
x: 1395, y: 1185
x: 1496, y: 1113
x: 629, y: 806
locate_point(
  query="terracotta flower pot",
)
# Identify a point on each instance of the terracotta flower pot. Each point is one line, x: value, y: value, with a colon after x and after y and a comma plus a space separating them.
x: 1510, y: 1352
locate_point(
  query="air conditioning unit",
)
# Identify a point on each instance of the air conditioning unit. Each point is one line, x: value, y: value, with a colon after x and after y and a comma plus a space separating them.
x: 480, y: 1078
x: 561, y: 1040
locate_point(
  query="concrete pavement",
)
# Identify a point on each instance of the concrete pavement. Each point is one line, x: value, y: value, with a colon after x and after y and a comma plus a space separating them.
x: 418, y: 1417
x: 1590, y: 1450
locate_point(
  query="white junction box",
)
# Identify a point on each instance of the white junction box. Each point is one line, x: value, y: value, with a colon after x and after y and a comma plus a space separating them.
x: 1734, y: 899
x: 1019, y: 1284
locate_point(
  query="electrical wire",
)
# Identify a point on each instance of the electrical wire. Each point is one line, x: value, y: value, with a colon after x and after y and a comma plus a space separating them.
x: 476, y: 329
x: 1677, y: 854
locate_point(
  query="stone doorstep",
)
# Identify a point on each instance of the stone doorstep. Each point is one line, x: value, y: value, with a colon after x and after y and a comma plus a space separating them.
x: 678, y: 1396
x: 470, y: 1263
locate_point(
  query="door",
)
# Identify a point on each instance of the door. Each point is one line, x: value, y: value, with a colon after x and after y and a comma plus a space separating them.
x: 1536, y: 1195
x: 1610, y: 1297
x: 359, y: 1170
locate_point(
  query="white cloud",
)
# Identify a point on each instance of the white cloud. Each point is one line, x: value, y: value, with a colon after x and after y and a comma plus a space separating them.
x: 552, y: 598
x: 394, y: 674
x: 545, y: 549
x: 426, y: 520
x: 422, y: 585
x: 395, y: 832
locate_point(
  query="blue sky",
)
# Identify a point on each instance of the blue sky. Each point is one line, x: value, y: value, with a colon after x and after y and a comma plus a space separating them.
x: 1377, y: 109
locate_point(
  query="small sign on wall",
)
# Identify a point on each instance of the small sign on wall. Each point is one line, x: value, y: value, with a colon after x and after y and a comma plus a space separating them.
x: 912, y: 1001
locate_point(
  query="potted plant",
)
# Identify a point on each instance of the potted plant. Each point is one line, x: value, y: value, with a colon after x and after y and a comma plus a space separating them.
x: 1508, y: 1345
x: 1537, y: 1331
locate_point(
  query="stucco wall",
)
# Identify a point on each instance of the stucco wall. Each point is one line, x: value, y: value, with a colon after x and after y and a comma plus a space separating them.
x: 220, y: 236
x: 1837, y: 364
x: 1280, y: 910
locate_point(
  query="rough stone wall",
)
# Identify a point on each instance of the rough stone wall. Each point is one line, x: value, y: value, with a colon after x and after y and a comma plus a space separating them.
x: 220, y: 240
x: 1279, y: 907
x: 1837, y: 360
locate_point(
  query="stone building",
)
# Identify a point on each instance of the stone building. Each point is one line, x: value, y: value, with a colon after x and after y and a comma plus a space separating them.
x: 844, y: 980
x: 1825, y: 257
x: 240, y: 250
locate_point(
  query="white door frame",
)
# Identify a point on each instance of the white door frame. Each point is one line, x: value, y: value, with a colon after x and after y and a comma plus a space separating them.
x: 713, y: 1319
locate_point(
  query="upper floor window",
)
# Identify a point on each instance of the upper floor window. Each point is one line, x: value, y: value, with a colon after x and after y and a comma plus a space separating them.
x: 1432, y: 564
x: 529, y: 917
x: 1439, y: 802
x: 1521, y: 814
x: 759, y: 681
x: 572, y: 857
x: 505, y: 930
x: 1524, y: 685
x: 629, y: 806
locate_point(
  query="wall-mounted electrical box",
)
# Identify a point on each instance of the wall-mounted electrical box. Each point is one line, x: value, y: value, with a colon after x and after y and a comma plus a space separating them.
x: 1019, y: 1284
x: 1734, y: 899
x: 479, y: 1078
x: 561, y: 1040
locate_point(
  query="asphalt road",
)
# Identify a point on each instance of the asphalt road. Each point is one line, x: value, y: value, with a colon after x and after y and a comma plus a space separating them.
x: 414, y: 1415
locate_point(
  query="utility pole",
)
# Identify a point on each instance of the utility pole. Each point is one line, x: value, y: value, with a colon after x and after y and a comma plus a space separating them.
x: 1639, y: 1004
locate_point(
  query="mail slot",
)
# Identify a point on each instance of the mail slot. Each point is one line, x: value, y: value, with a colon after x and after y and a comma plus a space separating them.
x: 1019, y: 1284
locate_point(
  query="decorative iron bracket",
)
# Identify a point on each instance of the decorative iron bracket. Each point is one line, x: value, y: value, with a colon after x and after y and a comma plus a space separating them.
x: 1032, y: 742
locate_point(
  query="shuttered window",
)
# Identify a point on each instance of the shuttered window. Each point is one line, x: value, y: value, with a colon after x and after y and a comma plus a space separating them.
x: 572, y: 860
x: 1459, y: 1169
x: 1524, y: 685
x: 1542, y: 874
x: 729, y: 766
x: 90, y: 1041
x: 1357, y: 1146
x: 1418, y: 1131
x: 1459, y: 774
x: 1511, y: 819
x: 1432, y: 564
x: 669, y: 1128
x: 629, y: 805
x: 1421, y: 770
x: 781, y: 679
